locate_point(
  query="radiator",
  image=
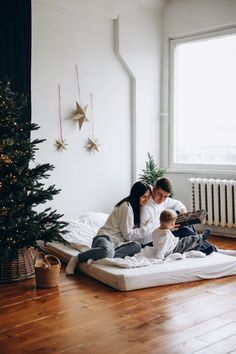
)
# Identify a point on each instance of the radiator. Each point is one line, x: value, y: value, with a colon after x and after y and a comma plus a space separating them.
x: 217, y: 197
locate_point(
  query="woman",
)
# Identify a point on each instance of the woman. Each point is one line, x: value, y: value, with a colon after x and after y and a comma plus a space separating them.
x: 121, y: 235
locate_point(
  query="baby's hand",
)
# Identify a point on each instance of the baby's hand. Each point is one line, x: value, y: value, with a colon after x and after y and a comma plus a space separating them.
x: 176, y: 227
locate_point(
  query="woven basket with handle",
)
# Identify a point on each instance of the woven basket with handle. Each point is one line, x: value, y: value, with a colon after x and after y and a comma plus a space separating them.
x: 20, y: 268
x: 47, y: 270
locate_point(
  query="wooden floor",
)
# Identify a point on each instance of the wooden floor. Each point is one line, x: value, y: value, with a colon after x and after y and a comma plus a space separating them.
x: 85, y: 316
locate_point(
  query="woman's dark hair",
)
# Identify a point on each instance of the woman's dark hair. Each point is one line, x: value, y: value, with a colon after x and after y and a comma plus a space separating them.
x: 138, y: 189
x: 165, y: 184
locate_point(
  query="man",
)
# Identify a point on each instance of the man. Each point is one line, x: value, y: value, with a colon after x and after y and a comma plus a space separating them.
x: 160, y: 200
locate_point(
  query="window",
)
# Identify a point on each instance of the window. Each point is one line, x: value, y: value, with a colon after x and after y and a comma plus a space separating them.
x: 203, y: 101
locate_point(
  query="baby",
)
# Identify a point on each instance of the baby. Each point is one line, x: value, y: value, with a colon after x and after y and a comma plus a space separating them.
x: 165, y: 243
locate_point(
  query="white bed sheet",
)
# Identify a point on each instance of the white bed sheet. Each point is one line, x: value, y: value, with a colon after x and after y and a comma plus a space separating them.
x: 215, y: 265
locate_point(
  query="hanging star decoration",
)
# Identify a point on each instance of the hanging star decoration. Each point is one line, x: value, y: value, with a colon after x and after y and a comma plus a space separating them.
x: 60, y: 143
x: 92, y: 143
x: 80, y: 114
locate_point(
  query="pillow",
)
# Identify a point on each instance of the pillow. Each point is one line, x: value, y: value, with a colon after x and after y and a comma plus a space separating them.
x: 95, y: 220
x: 82, y: 230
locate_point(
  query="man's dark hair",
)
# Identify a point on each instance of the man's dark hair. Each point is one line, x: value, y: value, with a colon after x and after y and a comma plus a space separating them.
x: 165, y: 184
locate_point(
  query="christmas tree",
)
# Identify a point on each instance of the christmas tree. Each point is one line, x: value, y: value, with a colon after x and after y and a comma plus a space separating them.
x: 151, y: 173
x: 21, y: 186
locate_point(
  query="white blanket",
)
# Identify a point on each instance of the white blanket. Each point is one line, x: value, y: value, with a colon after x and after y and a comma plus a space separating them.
x: 145, y: 258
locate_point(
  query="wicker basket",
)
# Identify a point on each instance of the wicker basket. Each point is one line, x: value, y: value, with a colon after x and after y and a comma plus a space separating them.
x: 47, y: 270
x: 20, y: 268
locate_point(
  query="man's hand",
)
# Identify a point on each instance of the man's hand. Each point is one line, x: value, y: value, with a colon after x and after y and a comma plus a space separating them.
x: 183, y: 211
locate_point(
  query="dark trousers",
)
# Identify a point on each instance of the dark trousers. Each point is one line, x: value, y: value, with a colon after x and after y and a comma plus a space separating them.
x: 185, y: 231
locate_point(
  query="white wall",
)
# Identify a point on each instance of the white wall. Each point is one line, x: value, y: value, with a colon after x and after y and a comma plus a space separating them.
x: 181, y: 17
x: 140, y: 47
x: 120, y: 65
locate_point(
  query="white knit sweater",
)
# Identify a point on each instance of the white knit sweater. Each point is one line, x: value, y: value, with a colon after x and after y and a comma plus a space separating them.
x: 119, y: 226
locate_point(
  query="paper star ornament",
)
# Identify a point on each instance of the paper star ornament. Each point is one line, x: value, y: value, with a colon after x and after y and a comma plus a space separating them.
x: 92, y: 145
x: 80, y: 114
x: 60, y: 144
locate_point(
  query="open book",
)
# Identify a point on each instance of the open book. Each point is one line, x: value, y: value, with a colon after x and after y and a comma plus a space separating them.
x: 191, y: 217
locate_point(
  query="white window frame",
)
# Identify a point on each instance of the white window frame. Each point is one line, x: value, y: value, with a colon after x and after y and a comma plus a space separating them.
x: 173, y: 166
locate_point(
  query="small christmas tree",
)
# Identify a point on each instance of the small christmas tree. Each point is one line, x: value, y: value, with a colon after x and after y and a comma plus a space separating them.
x: 21, y: 187
x: 151, y: 173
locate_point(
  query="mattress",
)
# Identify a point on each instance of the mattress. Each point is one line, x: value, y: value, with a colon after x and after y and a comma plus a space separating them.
x: 213, y: 266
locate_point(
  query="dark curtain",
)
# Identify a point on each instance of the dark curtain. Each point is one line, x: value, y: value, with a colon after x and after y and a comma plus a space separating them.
x: 15, y: 47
